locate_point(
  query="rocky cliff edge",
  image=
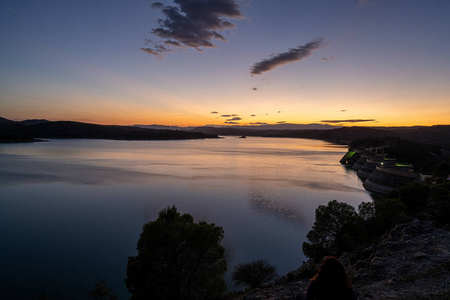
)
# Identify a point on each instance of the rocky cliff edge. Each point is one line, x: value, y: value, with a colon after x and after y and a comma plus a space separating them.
x: 411, y: 261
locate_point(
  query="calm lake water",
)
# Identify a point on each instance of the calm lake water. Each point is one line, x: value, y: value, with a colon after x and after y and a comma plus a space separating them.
x: 71, y: 211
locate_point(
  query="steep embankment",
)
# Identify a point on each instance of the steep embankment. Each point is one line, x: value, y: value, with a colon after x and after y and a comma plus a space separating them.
x: 411, y: 261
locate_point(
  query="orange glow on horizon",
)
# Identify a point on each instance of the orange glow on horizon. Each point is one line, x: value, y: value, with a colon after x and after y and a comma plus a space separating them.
x: 188, y: 122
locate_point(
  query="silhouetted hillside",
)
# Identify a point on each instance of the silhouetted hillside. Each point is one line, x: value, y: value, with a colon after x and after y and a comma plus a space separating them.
x: 432, y: 135
x: 340, y: 135
x: 11, y: 131
x: 3, y: 121
x: 229, y: 131
x: 438, y: 135
x: 15, y: 131
x: 34, y: 121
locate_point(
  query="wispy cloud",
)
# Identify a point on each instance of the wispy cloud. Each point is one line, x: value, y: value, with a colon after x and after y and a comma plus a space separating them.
x: 155, y: 49
x: 214, y: 112
x: 328, y: 58
x: 192, y: 24
x: 348, y: 121
x: 292, y: 55
x: 234, y: 119
x: 229, y: 116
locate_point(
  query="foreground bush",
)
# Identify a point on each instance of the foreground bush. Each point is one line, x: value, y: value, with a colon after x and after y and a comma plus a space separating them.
x: 254, y: 274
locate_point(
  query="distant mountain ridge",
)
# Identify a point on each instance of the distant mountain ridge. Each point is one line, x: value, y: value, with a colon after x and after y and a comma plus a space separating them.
x: 41, y: 128
x: 33, y: 122
x: 284, y: 126
x: 432, y: 135
x: 30, y: 130
x: 156, y: 126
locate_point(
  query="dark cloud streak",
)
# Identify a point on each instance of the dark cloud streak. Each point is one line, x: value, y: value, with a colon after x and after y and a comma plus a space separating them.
x: 348, y: 121
x: 292, y: 55
x: 193, y: 24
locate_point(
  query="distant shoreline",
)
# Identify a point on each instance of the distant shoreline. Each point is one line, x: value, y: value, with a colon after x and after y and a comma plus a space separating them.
x: 18, y: 132
x: 30, y: 130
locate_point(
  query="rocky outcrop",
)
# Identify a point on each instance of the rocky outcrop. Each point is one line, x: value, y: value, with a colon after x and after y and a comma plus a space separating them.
x: 411, y: 261
x: 281, y: 290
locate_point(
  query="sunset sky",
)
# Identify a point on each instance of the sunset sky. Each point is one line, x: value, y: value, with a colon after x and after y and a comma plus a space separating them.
x: 190, y: 63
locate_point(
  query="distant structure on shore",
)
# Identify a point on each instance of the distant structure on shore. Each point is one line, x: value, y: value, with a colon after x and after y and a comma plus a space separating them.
x: 379, y: 173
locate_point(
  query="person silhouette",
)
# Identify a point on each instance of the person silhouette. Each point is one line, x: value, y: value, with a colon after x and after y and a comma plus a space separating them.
x: 330, y: 282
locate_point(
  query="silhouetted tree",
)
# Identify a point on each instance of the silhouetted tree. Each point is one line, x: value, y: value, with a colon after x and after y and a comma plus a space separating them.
x: 254, y: 274
x: 177, y: 259
x: 325, y: 237
x: 102, y: 292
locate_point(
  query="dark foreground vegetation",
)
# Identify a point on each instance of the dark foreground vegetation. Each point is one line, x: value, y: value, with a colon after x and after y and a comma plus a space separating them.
x: 340, y: 228
x: 33, y: 130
